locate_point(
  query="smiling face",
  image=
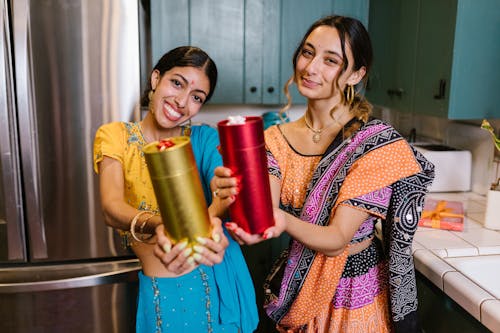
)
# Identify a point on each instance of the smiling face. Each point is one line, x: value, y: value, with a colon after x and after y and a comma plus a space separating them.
x: 178, y: 94
x: 319, y: 65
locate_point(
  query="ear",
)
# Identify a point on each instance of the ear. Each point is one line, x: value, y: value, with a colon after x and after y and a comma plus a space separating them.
x: 356, y: 76
x: 155, y: 78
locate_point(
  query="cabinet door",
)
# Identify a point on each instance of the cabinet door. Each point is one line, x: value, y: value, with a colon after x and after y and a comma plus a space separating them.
x: 475, y: 80
x: 217, y: 28
x: 434, y: 55
x: 169, y: 26
x: 297, y: 16
x: 262, y: 32
x: 393, y: 30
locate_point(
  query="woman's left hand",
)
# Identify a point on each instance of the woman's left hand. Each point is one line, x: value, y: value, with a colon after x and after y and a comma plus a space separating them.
x: 210, y: 251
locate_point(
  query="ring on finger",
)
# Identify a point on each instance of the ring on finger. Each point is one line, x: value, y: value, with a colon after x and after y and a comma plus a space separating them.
x: 216, y: 192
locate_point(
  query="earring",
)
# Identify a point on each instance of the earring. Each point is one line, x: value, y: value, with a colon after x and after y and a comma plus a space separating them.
x: 350, y: 93
x: 186, y: 129
x: 150, y: 97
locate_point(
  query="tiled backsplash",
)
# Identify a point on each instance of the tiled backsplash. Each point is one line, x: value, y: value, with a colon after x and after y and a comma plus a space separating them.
x: 485, y: 160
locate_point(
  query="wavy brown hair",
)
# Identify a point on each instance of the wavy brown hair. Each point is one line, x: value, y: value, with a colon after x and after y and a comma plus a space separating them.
x: 353, y: 32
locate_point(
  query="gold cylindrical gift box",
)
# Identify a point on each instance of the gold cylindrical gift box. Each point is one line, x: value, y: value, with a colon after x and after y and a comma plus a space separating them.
x: 178, y: 189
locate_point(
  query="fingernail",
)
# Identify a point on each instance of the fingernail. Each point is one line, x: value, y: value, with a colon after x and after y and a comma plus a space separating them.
x: 201, y: 240
x: 182, y: 245
x: 216, y: 238
x: 230, y: 226
x: 198, y: 249
x: 197, y: 257
x: 190, y: 261
x: 267, y: 235
x: 167, y: 248
x: 187, y: 252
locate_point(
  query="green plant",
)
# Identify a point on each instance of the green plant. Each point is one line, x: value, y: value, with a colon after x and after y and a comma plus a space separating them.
x: 486, y: 126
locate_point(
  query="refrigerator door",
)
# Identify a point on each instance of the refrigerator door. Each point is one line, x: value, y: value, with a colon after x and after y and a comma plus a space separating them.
x: 11, y: 228
x: 77, y: 66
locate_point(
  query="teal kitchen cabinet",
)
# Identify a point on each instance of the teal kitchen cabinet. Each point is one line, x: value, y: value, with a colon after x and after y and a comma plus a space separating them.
x: 436, y: 57
x: 251, y: 41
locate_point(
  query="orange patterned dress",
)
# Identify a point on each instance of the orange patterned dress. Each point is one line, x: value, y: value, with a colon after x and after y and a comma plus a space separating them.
x: 346, y: 293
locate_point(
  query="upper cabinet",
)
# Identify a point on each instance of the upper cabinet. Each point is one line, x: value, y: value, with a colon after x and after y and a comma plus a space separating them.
x: 251, y: 41
x: 436, y: 57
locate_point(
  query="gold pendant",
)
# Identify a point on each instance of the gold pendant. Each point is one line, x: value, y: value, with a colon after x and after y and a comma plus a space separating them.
x: 316, y: 137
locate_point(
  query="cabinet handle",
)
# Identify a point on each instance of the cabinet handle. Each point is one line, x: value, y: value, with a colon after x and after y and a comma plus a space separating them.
x: 253, y: 89
x: 398, y: 92
x: 270, y: 90
x: 442, y: 88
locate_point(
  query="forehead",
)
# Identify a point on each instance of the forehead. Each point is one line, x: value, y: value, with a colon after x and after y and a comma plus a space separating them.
x: 326, y: 39
x: 195, y: 77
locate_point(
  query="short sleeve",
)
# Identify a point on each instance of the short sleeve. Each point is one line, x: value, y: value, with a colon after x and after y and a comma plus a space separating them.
x: 272, y: 144
x: 107, y: 142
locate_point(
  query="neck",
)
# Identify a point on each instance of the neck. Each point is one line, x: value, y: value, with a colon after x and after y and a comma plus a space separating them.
x: 152, y: 131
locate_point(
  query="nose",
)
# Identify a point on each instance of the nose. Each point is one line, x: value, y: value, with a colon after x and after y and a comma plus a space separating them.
x: 312, y: 66
x: 181, y: 99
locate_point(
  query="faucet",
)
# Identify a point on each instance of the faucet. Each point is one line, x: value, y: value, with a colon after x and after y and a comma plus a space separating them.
x: 413, y: 135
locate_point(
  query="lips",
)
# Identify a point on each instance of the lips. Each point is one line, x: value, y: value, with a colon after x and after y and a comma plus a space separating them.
x: 309, y: 83
x: 170, y: 113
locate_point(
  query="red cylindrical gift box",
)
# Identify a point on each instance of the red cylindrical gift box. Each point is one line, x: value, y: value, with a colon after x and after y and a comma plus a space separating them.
x: 243, y: 151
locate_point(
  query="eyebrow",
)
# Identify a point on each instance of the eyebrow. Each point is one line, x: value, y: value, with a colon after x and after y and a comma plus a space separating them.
x: 328, y: 51
x: 186, y: 82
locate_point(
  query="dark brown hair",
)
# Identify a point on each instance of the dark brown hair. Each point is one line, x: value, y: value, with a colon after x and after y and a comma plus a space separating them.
x: 184, y: 56
x: 353, y: 32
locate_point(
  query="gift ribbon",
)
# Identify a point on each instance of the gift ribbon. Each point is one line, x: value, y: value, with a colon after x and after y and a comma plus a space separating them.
x: 438, y: 213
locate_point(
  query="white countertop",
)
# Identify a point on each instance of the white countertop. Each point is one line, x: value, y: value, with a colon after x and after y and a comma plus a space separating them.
x: 464, y: 264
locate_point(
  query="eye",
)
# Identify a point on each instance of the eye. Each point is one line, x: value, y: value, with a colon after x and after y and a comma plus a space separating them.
x: 176, y: 83
x: 198, y: 99
x: 307, y: 53
x: 332, y: 61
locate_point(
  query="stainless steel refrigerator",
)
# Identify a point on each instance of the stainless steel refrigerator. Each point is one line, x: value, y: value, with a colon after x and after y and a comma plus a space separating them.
x: 66, y: 67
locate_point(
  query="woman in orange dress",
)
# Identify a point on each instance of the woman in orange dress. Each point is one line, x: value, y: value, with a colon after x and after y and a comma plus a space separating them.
x: 335, y: 173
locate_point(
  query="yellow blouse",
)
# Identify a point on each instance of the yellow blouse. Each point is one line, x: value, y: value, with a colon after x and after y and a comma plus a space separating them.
x: 123, y: 142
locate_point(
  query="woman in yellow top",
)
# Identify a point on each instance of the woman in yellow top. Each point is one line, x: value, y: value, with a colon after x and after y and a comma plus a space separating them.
x: 180, y: 290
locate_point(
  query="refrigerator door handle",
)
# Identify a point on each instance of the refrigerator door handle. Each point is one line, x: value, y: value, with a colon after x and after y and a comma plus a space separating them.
x: 46, y: 278
x: 10, y: 193
x: 27, y: 129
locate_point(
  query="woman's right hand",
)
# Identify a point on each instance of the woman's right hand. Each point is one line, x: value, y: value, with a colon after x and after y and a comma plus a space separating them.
x: 224, y: 186
x: 177, y: 259
x: 244, y: 238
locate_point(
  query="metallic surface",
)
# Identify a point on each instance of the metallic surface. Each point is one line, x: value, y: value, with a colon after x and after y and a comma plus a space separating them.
x: 178, y: 190
x: 77, y: 66
x: 10, y: 186
x: 66, y: 67
x: 55, y: 277
x: 243, y: 151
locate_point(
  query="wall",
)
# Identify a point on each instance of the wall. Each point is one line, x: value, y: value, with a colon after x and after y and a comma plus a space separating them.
x: 463, y: 135
x: 458, y: 134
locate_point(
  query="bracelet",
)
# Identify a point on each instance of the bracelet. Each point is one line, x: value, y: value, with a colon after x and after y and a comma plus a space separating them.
x: 141, y: 228
x: 134, y: 222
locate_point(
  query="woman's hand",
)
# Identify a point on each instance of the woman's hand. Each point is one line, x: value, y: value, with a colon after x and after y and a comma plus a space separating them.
x: 180, y: 258
x: 176, y: 259
x: 224, y: 190
x: 243, y: 237
x: 210, y: 251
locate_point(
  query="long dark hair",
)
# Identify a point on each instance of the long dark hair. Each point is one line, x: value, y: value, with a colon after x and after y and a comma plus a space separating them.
x: 353, y: 32
x: 184, y: 56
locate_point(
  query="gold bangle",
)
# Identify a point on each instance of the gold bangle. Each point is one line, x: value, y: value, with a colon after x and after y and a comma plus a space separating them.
x: 141, y: 228
x: 134, y: 222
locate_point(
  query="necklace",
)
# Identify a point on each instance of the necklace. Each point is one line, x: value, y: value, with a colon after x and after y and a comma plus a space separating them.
x: 317, y: 132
